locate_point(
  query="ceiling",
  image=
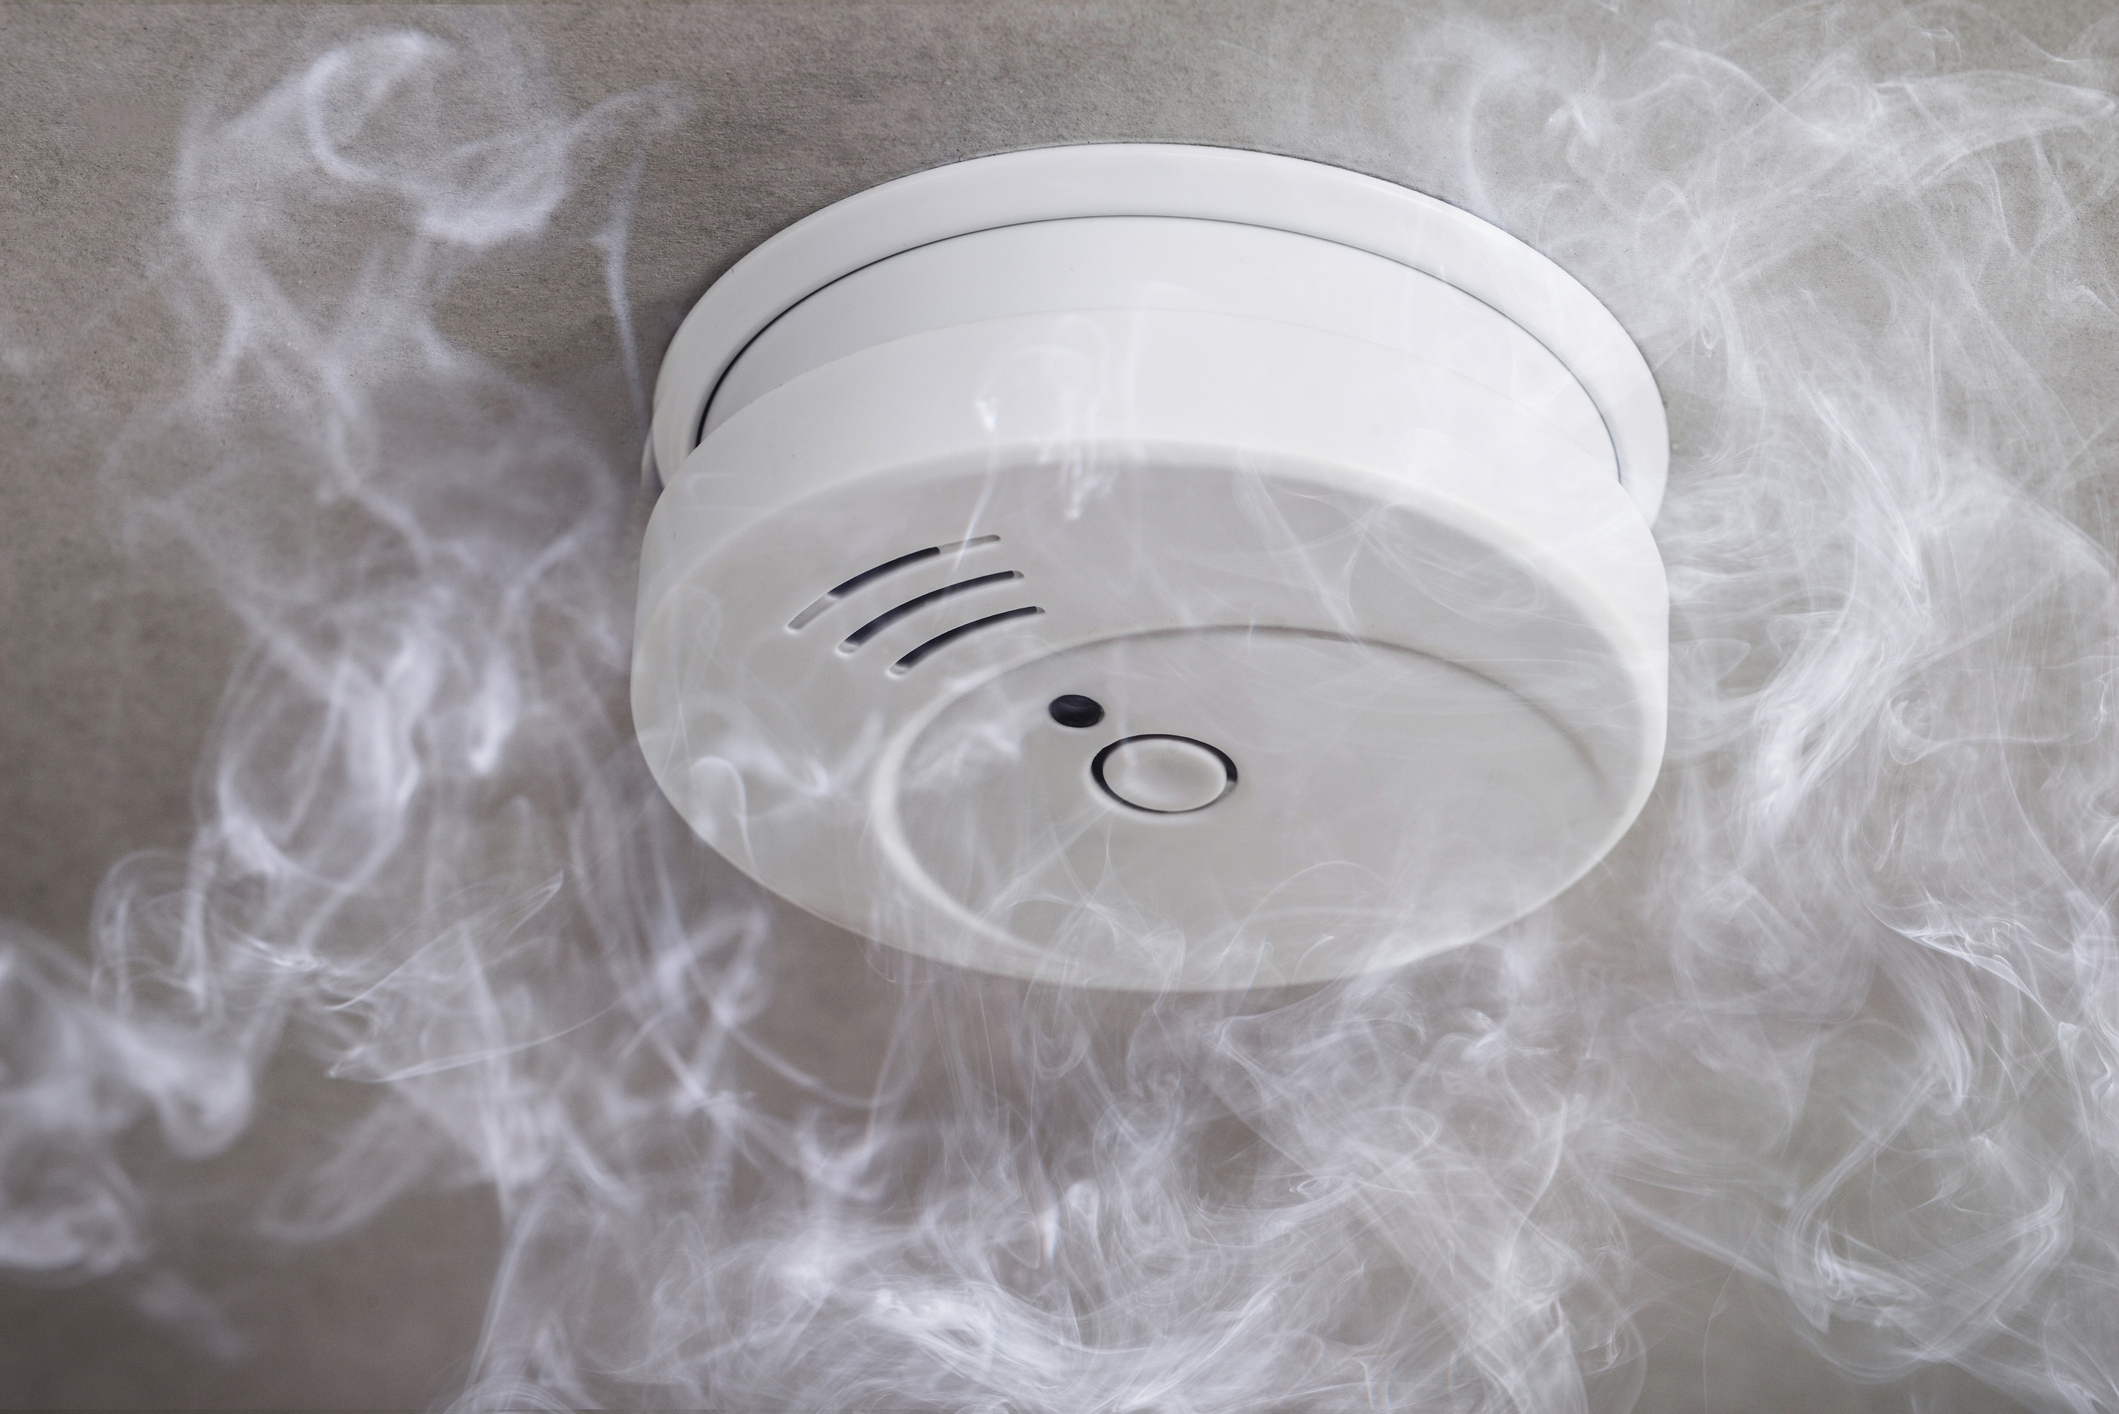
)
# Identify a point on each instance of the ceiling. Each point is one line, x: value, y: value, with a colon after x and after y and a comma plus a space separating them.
x: 118, y: 641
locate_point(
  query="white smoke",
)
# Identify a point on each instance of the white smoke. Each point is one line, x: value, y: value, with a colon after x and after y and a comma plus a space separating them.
x: 1842, y: 1015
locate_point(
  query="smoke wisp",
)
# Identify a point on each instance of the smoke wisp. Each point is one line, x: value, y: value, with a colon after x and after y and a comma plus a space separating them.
x: 1842, y: 1014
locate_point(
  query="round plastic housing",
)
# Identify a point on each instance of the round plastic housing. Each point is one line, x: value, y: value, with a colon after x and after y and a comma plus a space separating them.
x: 1154, y: 567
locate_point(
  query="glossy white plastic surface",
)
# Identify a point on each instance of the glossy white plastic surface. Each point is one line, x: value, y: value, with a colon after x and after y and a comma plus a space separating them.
x: 1158, y: 264
x: 1208, y: 184
x: 1344, y: 554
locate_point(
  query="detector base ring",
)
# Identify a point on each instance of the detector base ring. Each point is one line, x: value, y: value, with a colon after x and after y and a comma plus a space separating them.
x: 1169, y: 180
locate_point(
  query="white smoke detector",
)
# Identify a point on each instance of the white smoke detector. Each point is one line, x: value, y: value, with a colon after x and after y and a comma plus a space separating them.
x: 1154, y: 567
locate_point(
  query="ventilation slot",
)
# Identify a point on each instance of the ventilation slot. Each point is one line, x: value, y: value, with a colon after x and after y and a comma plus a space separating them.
x: 888, y: 617
x: 943, y: 640
x: 869, y: 576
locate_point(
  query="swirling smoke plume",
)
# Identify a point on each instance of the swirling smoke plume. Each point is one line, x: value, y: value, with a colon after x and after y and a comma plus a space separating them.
x: 1842, y: 1016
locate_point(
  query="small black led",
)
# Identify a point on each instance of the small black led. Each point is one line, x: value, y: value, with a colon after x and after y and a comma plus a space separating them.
x: 1075, y: 710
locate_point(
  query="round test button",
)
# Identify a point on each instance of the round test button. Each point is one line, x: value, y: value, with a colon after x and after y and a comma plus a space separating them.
x: 1168, y: 775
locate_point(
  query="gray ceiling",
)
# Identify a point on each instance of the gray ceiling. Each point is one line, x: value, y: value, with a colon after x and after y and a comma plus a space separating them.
x: 116, y: 643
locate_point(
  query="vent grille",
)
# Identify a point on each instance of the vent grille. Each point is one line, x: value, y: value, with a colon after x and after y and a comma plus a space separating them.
x: 943, y: 640
x: 888, y: 617
x: 866, y: 577
x: 917, y: 604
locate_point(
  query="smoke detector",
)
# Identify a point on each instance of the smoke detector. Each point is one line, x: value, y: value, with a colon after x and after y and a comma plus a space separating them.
x: 1154, y: 567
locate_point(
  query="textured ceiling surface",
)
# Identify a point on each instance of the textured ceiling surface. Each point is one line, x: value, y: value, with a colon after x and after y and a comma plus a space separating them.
x: 119, y: 636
